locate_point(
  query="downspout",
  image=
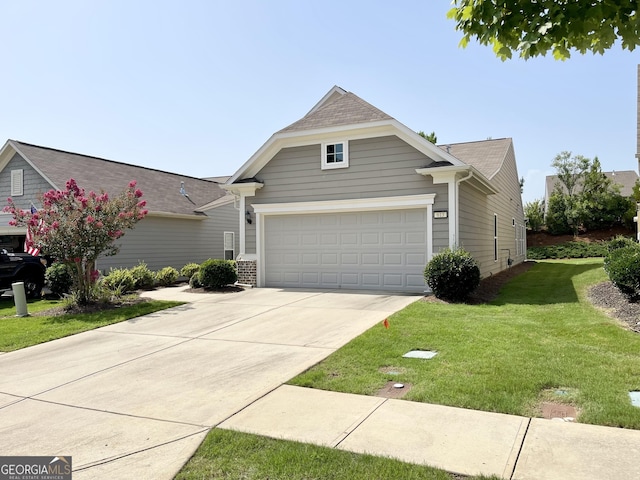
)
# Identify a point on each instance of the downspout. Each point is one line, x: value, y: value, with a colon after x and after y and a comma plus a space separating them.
x: 457, y: 206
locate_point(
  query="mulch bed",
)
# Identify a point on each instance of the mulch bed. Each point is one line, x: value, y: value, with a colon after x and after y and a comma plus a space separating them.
x: 615, y: 304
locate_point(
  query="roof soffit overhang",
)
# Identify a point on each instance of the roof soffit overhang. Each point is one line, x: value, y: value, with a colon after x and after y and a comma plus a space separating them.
x: 183, y: 216
x: 464, y: 173
x: 381, y: 128
x: 244, y: 189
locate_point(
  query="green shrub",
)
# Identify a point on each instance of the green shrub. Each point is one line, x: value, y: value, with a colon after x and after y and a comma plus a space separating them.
x: 620, y: 242
x: 568, y: 250
x: 452, y: 274
x: 194, y: 281
x: 189, y: 269
x: 216, y: 273
x: 167, y: 276
x: 143, y: 278
x: 119, y: 280
x: 59, y: 278
x: 623, y: 267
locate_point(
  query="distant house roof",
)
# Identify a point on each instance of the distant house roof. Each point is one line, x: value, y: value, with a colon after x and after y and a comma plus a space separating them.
x: 162, y: 190
x: 626, y: 179
x: 338, y: 107
x: 485, y: 155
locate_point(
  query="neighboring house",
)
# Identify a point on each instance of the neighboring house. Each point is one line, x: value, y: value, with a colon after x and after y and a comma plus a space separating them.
x: 624, y: 179
x: 348, y: 197
x: 189, y: 220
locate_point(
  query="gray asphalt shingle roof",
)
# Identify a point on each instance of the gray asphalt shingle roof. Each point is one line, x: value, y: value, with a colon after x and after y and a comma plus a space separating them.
x: 161, y: 189
x: 486, y: 156
x: 626, y: 179
x: 347, y: 109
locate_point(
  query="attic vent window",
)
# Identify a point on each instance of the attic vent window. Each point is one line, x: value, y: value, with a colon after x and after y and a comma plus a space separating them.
x: 17, y: 183
x: 335, y: 155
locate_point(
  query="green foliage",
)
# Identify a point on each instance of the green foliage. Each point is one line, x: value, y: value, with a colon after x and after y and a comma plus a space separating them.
x: 119, y: 281
x: 452, y: 274
x: 216, y: 273
x: 556, y: 220
x: 194, y: 281
x: 143, y: 278
x: 167, y: 276
x: 568, y: 250
x: 623, y: 267
x: 620, y: 242
x: 59, y: 278
x: 429, y: 136
x: 189, y: 269
x: 76, y: 228
x: 534, y: 212
x: 531, y: 29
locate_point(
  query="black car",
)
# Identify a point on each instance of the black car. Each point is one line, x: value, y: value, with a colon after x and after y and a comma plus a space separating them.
x: 22, y: 267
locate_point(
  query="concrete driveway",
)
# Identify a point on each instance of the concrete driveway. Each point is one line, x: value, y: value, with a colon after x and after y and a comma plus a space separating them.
x: 135, y: 399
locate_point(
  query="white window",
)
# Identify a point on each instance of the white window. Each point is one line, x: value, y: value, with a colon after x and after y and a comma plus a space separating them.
x: 17, y: 183
x: 229, y: 242
x: 335, y: 155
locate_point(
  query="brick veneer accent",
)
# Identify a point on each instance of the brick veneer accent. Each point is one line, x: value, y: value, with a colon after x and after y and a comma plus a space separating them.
x: 247, y: 272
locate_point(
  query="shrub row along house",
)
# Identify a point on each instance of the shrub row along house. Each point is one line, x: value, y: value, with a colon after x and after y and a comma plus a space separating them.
x: 346, y: 197
x: 189, y: 220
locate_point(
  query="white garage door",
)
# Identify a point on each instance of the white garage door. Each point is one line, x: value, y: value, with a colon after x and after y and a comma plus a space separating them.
x: 380, y: 250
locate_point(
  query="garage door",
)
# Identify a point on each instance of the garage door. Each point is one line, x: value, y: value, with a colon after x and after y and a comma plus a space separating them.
x: 378, y: 250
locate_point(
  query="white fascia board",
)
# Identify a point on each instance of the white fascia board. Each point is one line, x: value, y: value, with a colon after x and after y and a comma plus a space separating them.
x: 26, y: 159
x: 448, y: 173
x: 226, y: 200
x: 182, y: 216
x: 247, y: 189
x: 425, y: 146
x: 347, y: 205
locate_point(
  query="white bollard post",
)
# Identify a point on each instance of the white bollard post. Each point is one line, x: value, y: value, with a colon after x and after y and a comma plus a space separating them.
x: 20, y: 299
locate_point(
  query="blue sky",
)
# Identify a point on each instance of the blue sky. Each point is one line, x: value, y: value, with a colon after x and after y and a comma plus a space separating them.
x: 196, y: 87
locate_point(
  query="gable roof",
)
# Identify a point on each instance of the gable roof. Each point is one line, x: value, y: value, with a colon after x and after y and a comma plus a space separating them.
x: 626, y: 179
x: 486, y: 156
x: 162, y: 190
x: 338, y: 107
x: 339, y: 115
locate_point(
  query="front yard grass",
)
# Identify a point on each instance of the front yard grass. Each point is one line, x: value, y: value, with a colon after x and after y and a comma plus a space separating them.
x: 540, y: 340
x: 21, y: 332
x: 227, y: 454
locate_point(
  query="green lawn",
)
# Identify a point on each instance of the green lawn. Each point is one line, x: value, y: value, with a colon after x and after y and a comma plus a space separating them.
x: 232, y: 455
x: 20, y: 332
x: 539, y: 336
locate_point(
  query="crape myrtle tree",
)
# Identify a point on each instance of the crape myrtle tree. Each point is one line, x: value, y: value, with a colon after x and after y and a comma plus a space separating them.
x: 76, y: 228
x: 535, y: 28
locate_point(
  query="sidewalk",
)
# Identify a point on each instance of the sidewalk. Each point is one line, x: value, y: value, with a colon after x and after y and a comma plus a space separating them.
x: 461, y: 441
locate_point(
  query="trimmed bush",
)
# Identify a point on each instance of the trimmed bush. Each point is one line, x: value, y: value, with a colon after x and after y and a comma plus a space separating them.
x: 59, y: 278
x: 452, y: 274
x: 216, y: 273
x: 119, y: 280
x: 620, y: 242
x: 568, y: 250
x: 189, y: 269
x: 143, y: 278
x: 194, y: 281
x: 167, y: 276
x: 623, y: 267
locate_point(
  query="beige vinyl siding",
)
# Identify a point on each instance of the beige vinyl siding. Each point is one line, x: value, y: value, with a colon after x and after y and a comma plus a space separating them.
x: 477, y: 213
x: 378, y: 167
x: 163, y: 241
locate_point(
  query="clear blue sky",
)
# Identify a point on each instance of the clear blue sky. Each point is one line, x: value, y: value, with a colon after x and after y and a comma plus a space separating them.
x: 196, y: 87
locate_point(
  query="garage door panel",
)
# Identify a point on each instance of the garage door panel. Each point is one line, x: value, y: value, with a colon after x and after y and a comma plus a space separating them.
x: 380, y: 250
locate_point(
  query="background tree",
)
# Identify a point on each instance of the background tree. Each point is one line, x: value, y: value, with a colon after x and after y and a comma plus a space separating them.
x: 534, y: 213
x: 535, y: 28
x: 76, y: 229
x: 431, y: 136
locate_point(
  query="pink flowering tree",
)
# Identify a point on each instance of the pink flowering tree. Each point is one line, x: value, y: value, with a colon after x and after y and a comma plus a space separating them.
x: 75, y: 228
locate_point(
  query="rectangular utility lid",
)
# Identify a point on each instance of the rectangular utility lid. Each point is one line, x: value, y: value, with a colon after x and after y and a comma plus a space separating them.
x: 424, y: 354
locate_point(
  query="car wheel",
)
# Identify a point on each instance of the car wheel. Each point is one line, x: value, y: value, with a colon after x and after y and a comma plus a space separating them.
x: 33, y: 286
